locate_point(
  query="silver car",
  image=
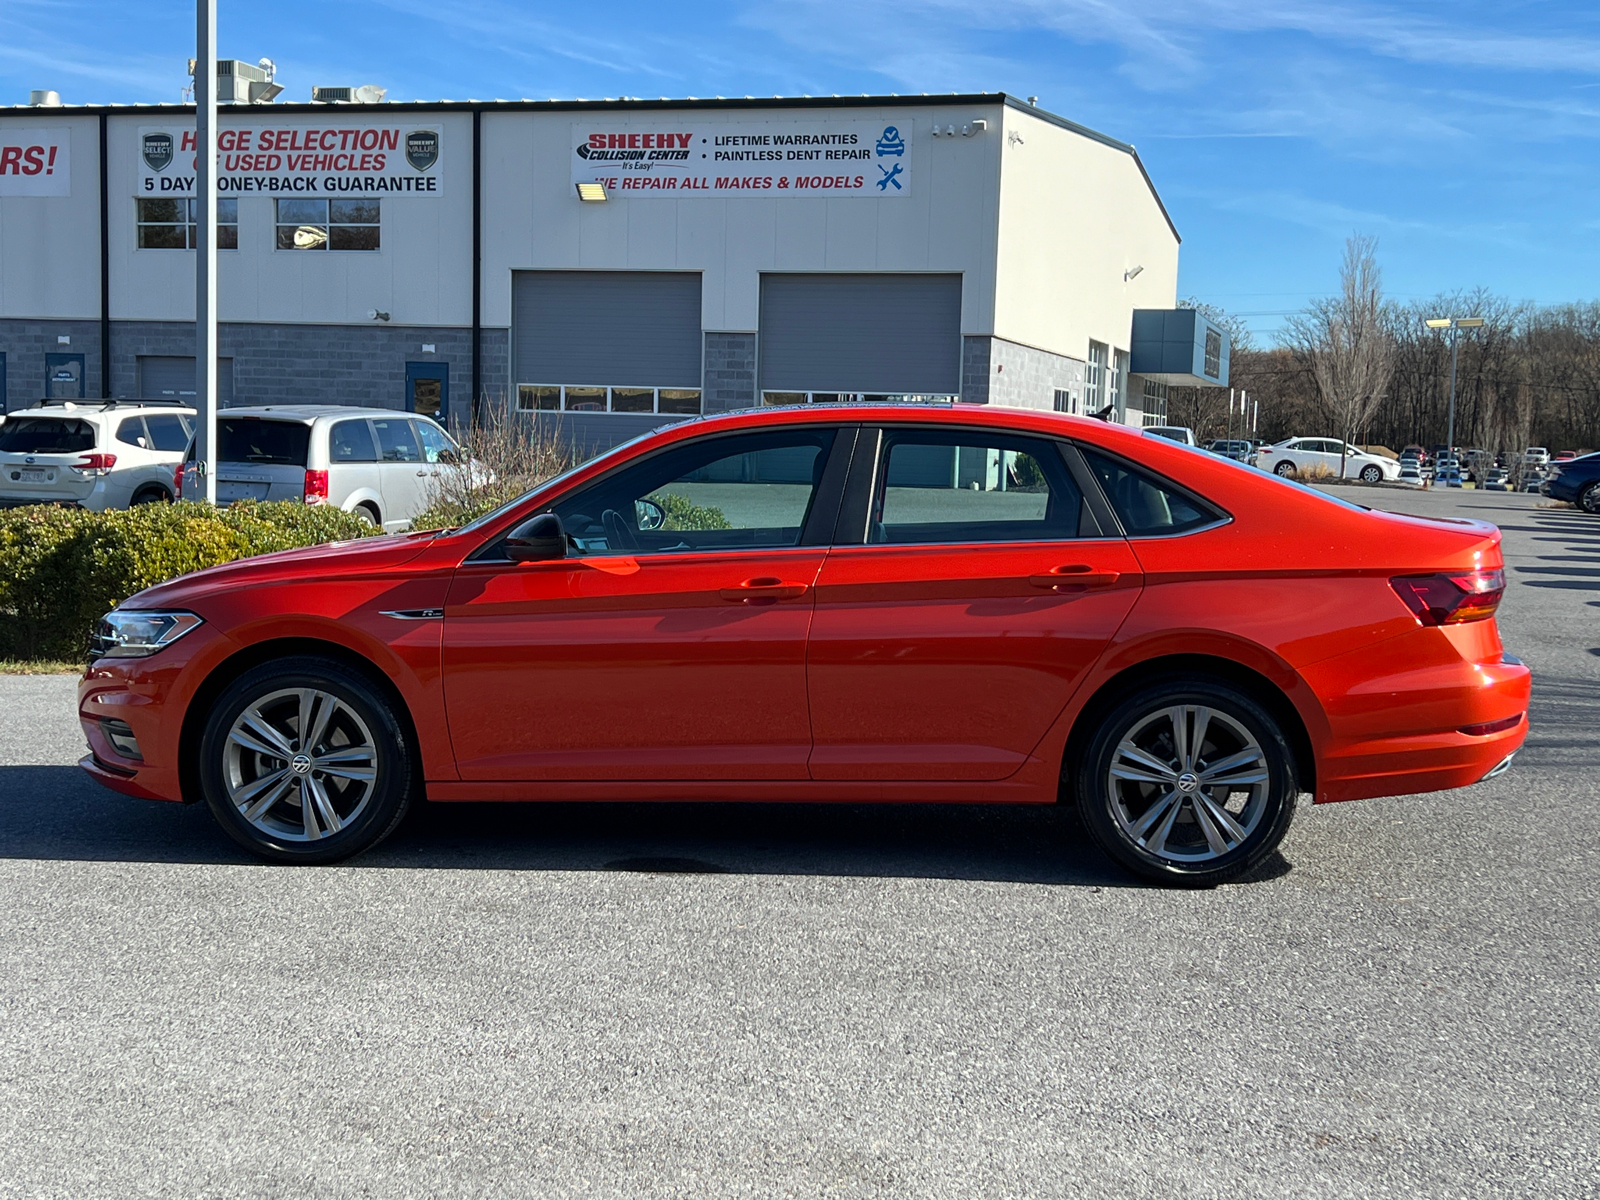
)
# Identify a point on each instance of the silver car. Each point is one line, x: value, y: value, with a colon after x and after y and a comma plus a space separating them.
x: 94, y: 454
x: 378, y: 463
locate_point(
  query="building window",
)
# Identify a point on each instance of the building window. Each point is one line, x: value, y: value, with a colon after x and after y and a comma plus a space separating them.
x: 1118, y: 378
x: 537, y: 397
x: 1094, y: 378
x: 1065, y: 401
x: 170, y: 224
x: 1213, y: 354
x: 327, y: 224
x: 1155, y: 402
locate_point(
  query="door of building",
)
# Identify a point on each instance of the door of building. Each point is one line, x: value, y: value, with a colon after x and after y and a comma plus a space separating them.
x: 428, y: 389
x: 5, y: 396
x: 63, y: 376
x: 172, y: 377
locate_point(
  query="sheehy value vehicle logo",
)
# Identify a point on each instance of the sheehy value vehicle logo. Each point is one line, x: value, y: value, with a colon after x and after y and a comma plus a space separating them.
x: 744, y: 157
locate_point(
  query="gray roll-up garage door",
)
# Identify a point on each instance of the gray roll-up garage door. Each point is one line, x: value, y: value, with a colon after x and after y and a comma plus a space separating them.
x: 172, y: 378
x: 612, y: 328
x: 893, y: 334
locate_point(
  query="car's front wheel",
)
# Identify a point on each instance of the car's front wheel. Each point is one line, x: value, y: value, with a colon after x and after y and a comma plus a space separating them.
x: 1285, y: 468
x: 1371, y: 473
x: 1187, y: 782
x: 1589, y: 499
x: 304, y: 761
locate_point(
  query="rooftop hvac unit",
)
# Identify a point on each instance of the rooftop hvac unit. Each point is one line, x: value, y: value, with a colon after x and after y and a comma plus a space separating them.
x: 366, y: 94
x: 244, y: 83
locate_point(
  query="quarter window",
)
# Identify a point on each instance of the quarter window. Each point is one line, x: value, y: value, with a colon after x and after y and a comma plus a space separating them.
x: 171, y: 224
x: 328, y: 224
x: 954, y: 488
x: 1145, y: 506
x: 749, y: 492
x: 168, y: 431
x: 131, y: 432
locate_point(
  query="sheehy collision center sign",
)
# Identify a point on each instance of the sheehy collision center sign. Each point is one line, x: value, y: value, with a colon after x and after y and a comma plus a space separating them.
x: 35, y: 162
x: 752, y: 158
x: 333, y: 158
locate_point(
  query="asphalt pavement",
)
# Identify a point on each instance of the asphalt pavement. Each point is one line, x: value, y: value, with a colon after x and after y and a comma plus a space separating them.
x: 705, y: 1001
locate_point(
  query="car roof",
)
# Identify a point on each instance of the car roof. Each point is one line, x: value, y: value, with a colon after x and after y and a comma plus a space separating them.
x: 96, y: 408
x: 308, y: 413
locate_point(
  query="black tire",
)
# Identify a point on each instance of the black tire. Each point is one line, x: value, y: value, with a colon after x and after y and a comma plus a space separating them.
x: 1589, y: 499
x: 152, y: 495
x: 1371, y: 474
x: 357, y: 726
x: 1190, y: 847
x: 368, y: 514
x: 1285, y: 468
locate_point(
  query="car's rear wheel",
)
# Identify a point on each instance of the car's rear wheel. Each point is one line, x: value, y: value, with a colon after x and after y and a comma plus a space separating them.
x: 152, y: 495
x: 1285, y: 468
x: 1187, y: 782
x: 367, y: 514
x: 1371, y: 474
x: 304, y: 761
x: 1589, y: 499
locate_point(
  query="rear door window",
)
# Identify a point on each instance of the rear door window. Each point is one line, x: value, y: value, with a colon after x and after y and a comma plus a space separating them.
x: 1147, y: 507
x: 396, y: 442
x: 351, y: 442
x: 966, y: 486
x: 168, y: 431
x: 255, y: 440
x: 46, y: 435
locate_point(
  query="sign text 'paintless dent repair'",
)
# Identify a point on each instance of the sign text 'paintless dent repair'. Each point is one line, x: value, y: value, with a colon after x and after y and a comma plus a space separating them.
x: 334, y: 159
x: 750, y: 158
x: 35, y: 162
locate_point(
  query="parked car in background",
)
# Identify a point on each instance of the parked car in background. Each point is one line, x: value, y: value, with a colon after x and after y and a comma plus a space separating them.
x: 1447, y: 472
x: 1410, y: 472
x: 1177, y: 644
x: 1497, y: 479
x: 1416, y: 451
x: 1236, y: 449
x: 1576, y: 481
x: 1536, y: 456
x: 1565, y: 456
x: 1173, y: 433
x: 1293, y: 455
x: 375, y: 462
x: 110, y: 454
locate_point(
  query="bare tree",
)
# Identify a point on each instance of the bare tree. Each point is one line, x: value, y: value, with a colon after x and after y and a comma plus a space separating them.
x: 1347, y: 343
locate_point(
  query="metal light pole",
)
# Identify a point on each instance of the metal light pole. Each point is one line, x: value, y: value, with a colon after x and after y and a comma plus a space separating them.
x: 205, y: 275
x: 1454, y: 325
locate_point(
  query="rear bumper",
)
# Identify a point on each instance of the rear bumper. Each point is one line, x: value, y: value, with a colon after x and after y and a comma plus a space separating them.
x: 1403, y: 733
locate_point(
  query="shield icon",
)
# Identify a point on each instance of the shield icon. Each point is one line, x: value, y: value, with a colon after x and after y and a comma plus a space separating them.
x: 158, y: 151
x: 422, y: 148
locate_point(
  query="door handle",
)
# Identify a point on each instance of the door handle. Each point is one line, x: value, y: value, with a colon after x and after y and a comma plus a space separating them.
x: 420, y: 474
x: 1074, y: 577
x: 765, y: 590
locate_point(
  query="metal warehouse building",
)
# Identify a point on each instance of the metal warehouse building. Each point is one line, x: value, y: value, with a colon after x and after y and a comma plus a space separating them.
x: 607, y: 264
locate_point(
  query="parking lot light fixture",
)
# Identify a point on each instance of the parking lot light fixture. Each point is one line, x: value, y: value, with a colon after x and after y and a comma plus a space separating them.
x: 1454, y: 325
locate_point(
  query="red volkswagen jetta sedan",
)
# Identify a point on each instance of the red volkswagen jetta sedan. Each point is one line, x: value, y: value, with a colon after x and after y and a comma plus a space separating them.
x: 856, y: 603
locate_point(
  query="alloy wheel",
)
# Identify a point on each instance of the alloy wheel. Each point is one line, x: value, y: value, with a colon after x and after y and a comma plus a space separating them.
x: 1188, y: 784
x: 1285, y: 468
x: 300, y: 764
x: 1589, y: 501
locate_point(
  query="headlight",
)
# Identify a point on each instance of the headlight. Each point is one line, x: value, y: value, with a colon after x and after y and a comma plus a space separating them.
x: 140, y: 634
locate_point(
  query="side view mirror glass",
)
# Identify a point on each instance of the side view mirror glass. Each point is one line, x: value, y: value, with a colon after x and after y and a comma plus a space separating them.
x: 648, y: 514
x: 538, y: 540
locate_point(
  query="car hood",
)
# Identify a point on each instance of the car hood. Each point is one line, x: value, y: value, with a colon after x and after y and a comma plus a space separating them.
x: 329, y: 561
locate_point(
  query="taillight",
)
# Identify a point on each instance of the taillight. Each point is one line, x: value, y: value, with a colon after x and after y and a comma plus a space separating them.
x: 96, y: 462
x: 316, y: 487
x: 1451, y: 598
x: 1489, y: 727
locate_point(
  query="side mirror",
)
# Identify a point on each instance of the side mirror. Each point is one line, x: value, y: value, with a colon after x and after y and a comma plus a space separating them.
x: 647, y: 514
x: 538, y: 540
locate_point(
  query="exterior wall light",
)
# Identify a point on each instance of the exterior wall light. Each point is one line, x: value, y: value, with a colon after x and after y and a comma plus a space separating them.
x: 377, y: 314
x: 1131, y: 273
x: 592, y: 192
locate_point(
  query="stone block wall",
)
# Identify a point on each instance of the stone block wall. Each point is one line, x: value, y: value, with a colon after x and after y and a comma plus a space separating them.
x: 25, y: 343
x: 729, y: 370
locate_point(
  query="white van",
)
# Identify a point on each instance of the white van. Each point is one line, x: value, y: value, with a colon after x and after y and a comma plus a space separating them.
x: 378, y: 463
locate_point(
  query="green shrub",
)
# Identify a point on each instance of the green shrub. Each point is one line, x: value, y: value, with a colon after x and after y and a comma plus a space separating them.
x: 682, y: 513
x: 62, y: 569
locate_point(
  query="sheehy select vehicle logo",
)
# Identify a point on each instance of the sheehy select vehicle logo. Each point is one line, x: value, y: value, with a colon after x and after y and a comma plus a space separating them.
x: 331, y: 159
x: 859, y: 158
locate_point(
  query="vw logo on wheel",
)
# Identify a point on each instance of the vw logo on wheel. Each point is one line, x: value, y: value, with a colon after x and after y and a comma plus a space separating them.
x: 300, y: 764
x: 1187, y: 782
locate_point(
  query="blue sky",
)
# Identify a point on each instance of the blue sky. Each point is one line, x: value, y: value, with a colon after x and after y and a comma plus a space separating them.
x: 1463, y: 135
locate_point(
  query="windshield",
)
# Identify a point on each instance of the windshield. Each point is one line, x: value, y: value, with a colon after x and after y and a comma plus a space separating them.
x: 46, y: 435
x: 253, y: 440
x: 494, y: 513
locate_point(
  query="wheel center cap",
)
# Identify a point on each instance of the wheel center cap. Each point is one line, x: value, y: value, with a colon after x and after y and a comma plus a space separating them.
x: 300, y: 764
x: 1188, y: 781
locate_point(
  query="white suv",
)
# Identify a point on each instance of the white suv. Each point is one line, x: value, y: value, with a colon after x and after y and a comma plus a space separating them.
x: 92, y: 455
x: 1296, y: 454
x: 378, y: 463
